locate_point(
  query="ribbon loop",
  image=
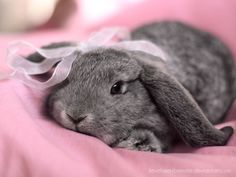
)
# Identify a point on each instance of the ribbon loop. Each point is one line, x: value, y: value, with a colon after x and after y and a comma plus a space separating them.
x: 106, y: 35
x: 144, y: 46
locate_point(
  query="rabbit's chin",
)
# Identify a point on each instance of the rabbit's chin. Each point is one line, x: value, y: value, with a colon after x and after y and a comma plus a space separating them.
x: 107, y: 138
x: 104, y: 137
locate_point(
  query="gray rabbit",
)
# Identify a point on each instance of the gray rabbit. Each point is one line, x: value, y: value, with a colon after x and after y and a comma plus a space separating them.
x: 132, y: 99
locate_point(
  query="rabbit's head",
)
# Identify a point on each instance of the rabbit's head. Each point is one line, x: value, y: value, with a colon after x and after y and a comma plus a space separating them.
x: 108, y: 91
x: 102, y: 96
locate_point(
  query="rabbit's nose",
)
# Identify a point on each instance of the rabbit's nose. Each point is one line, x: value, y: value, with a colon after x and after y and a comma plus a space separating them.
x: 77, y: 119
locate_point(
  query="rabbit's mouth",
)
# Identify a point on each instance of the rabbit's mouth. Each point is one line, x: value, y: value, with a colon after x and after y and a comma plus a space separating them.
x: 78, y: 124
x: 81, y: 124
x: 85, y: 125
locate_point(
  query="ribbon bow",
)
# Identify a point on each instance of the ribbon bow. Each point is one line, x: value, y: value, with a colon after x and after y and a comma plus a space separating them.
x: 64, y: 56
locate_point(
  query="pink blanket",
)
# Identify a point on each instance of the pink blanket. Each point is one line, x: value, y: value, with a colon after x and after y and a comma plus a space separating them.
x: 32, y: 145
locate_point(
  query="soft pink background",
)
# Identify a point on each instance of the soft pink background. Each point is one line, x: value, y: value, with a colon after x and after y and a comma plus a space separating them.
x: 32, y: 145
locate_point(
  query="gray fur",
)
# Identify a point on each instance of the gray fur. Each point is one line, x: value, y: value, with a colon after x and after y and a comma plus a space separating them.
x: 197, y: 59
x: 162, y: 101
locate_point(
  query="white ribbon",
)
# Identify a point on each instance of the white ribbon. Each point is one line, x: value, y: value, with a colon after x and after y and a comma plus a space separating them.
x: 65, y: 56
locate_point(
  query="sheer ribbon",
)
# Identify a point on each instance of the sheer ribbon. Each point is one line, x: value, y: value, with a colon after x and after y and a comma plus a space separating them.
x: 23, y: 69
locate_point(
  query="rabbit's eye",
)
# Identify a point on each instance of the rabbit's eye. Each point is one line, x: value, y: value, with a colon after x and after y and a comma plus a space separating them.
x: 118, y: 88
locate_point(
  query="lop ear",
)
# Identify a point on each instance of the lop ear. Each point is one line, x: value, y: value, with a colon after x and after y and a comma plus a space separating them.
x: 177, y: 105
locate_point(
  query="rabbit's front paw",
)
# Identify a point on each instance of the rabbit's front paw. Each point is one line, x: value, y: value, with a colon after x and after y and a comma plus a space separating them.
x: 141, y: 140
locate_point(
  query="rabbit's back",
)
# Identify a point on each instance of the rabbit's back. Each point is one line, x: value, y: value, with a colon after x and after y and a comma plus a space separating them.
x: 199, y: 61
